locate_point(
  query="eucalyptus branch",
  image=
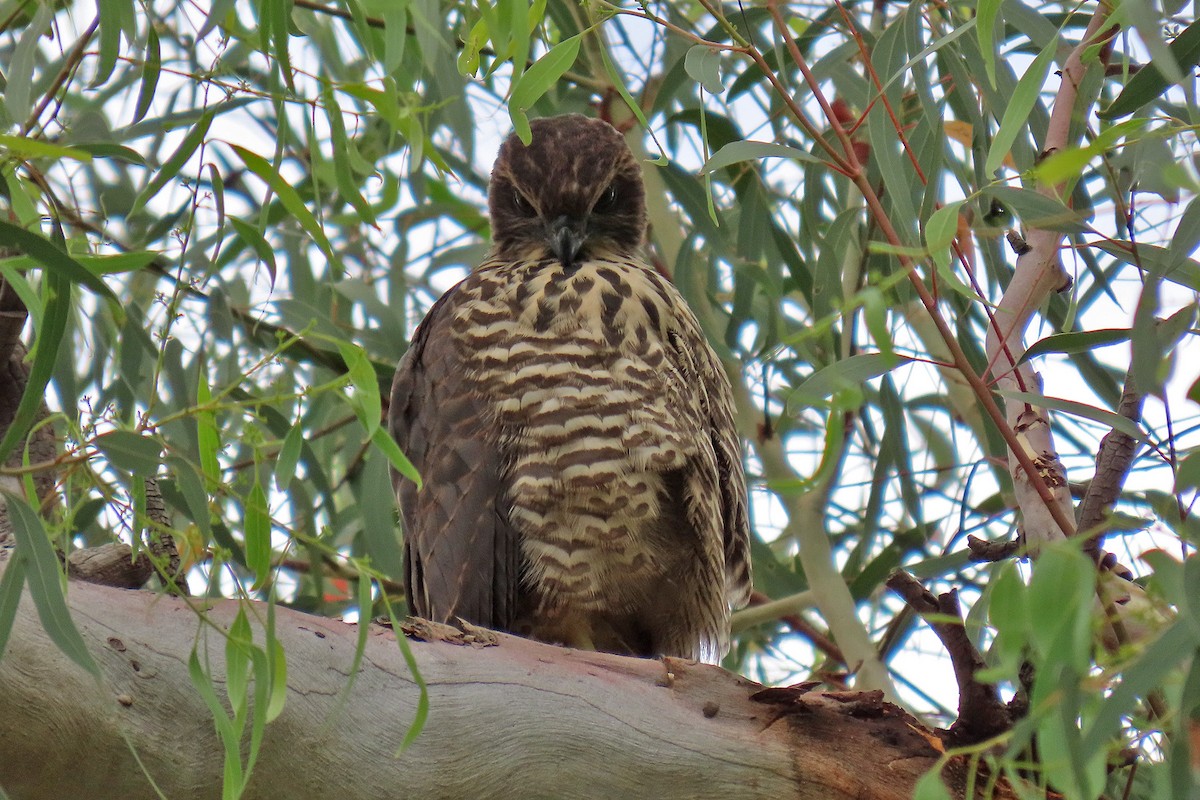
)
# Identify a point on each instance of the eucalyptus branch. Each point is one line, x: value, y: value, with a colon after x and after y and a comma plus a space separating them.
x: 1113, y: 461
x: 857, y: 174
x: 806, y: 526
x: 981, y: 715
x: 767, y: 609
x: 1039, y: 271
x: 786, y: 610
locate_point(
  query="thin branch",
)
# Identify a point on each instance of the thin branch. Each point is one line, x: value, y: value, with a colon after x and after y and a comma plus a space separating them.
x: 70, y: 64
x: 1117, y: 451
x: 986, y: 550
x: 981, y: 715
x: 787, y: 610
x: 857, y: 174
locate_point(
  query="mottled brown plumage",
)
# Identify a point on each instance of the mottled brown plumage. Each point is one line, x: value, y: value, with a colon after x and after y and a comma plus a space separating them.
x: 574, y: 430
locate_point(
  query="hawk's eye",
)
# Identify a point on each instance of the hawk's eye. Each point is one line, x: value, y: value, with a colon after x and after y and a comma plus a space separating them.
x: 607, y: 200
x: 522, y: 205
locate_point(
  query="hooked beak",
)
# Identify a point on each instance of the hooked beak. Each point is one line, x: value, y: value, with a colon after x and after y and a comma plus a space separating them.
x: 566, y: 240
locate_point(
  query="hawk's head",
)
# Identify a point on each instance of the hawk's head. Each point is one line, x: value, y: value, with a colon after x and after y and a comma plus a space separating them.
x: 576, y: 190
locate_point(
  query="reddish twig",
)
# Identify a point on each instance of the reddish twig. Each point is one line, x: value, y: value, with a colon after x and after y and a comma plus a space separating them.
x: 855, y: 172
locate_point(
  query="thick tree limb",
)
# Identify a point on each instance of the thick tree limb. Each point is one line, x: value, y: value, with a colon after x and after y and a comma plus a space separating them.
x: 519, y: 719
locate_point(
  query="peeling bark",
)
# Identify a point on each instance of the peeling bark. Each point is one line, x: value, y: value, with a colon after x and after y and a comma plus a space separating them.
x: 1039, y: 272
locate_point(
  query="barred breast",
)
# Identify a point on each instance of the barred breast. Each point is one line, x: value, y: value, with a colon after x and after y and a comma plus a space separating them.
x: 599, y: 380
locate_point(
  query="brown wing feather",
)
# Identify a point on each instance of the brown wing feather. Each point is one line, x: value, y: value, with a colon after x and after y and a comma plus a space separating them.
x: 732, y: 483
x: 715, y: 496
x: 738, y: 581
x: 462, y: 557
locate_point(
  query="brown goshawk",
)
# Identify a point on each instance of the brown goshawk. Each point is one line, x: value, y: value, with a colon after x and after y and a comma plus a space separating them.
x: 582, y: 477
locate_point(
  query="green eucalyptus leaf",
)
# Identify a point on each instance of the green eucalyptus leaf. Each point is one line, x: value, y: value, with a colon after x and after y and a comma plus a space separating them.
x: 537, y: 80
x: 136, y: 453
x: 704, y: 65
x: 849, y: 372
x: 43, y: 576
x: 1148, y: 83
x: 736, y: 152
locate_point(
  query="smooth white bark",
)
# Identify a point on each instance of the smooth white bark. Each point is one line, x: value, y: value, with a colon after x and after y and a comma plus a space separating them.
x: 514, y: 720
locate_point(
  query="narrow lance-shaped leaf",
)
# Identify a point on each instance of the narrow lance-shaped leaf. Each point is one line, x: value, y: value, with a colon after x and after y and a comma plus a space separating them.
x: 258, y: 710
x: 289, y: 456
x: 45, y: 584
x: 906, y: 68
x: 734, y: 152
x: 116, y: 19
x: 395, y: 34
x: 384, y: 441
x: 342, y: 169
x: 365, y: 398
x: 986, y: 12
x: 422, y: 714
x: 170, y: 168
x: 537, y: 80
x: 939, y: 234
x: 22, y: 197
x: 280, y: 11
x: 1020, y: 106
x: 511, y: 35
x: 22, y: 148
x: 1076, y: 342
x: 277, y: 662
x: 218, y: 192
x: 54, y: 259
x: 21, y: 61
x: 1148, y: 83
x: 117, y: 152
x: 379, y: 516
x: 56, y: 310
x: 135, y: 453
x: 1103, y: 416
x: 1186, y: 238
x: 12, y: 581
x: 262, y: 248
x: 229, y: 736
x: 207, y: 433
x: 289, y: 197
x: 1187, y: 476
x: 619, y: 83
x: 1157, y: 260
x: 238, y: 644
x: 191, y: 486
x: 852, y: 371
x: 258, y: 534
x: 151, y: 69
